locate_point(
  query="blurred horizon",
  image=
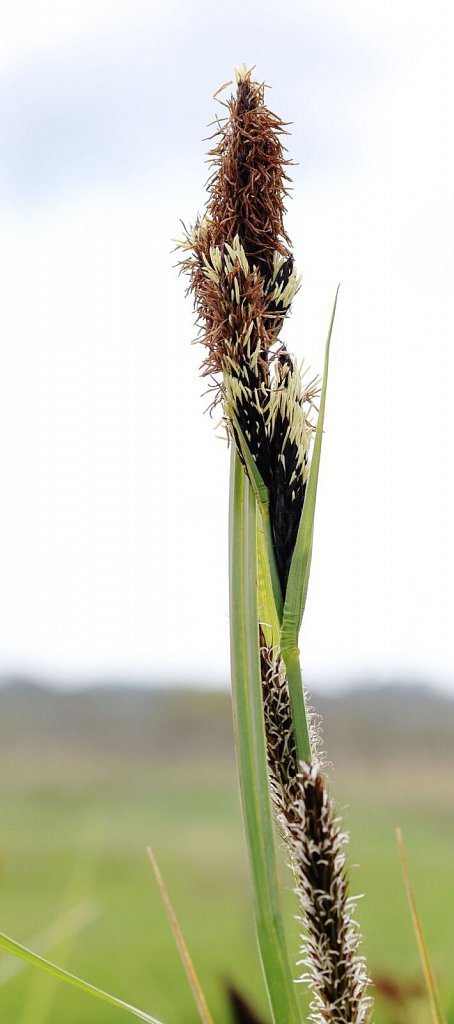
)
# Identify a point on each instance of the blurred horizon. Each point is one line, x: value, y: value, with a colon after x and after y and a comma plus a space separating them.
x: 329, y: 687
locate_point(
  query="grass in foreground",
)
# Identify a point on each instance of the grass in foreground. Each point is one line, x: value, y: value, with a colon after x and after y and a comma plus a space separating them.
x: 76, y: 824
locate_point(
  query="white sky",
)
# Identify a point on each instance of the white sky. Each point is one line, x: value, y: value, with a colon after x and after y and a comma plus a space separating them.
x: 113, y: 518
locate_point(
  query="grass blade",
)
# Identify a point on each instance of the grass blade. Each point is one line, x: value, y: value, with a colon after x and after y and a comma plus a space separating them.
x: 10, y: 946
x: 438, y: 1016
x: 262, y: 497
x: 268, y: 613
x: 64, y: 928
x: 296, y: 593
x: 41, y: 990
x: 251, y: 749
x: 298, y: 580
x: 197, y: 991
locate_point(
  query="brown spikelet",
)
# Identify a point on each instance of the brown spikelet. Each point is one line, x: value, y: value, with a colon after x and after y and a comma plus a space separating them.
x: 242, y: 279
x: 280, y: 739
x: 240, y: 267
x: 249, y: 182
x: 245, y: 207
x: 289, y: 439
x: 334, y: 970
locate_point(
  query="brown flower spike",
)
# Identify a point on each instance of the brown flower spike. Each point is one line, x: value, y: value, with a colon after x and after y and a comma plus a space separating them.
x: 243, y: 280
x: 249, y: 182
x: 334, y: 970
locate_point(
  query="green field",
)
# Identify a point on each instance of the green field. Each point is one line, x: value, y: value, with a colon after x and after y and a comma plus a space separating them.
x: 86, y: 783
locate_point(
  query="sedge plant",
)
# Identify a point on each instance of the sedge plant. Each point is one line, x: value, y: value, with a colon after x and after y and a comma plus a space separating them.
x: 243, y: 281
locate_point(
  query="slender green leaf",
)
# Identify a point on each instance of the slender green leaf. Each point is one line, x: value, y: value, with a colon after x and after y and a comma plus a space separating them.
x: 10, y: 946
x: 261, y: 493
x: 41, y: 990
x: 294, y: 676
x: 255, y: 478
x: 268, y: 615
x: 65, y: 927
x: 251, y: 746
x: 296, y: 592
x: 298, y: 580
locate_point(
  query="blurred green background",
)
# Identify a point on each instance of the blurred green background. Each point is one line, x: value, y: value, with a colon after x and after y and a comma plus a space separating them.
x: 89, y: 779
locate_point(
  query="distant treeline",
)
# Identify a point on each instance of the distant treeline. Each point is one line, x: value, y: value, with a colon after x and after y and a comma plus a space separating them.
x: 366, y: 724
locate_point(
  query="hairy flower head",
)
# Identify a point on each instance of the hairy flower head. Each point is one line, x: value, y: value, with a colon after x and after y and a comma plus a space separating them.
x: 243, y: 281
x: 249, y: 182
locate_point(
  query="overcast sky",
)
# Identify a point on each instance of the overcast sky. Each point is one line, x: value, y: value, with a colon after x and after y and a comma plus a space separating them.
x: 113, y: 518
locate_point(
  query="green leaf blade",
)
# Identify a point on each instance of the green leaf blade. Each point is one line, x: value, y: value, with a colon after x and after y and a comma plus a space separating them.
x: 298, y: 580
x: 296, y: 593
x: 251, y: 746
x: 262, y: 497
x: 10, y: 946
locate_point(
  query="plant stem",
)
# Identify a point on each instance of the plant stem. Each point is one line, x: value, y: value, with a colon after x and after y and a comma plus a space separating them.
x: 251, y: 746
